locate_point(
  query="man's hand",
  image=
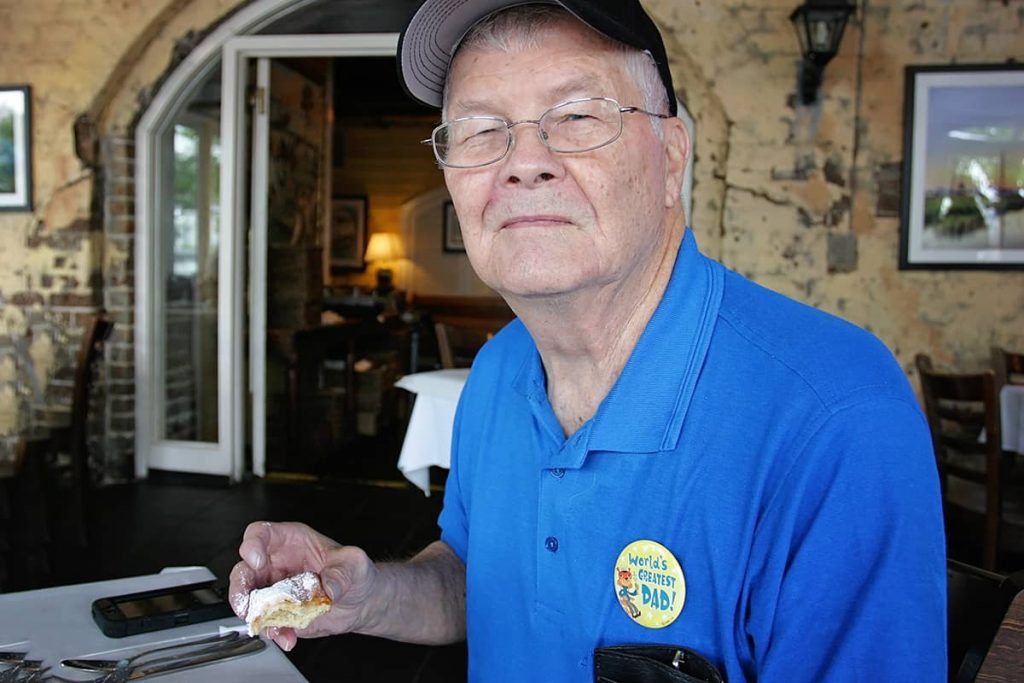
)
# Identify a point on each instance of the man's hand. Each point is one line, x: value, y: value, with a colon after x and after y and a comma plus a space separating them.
x: 271, y: 552
x: 422, y: 600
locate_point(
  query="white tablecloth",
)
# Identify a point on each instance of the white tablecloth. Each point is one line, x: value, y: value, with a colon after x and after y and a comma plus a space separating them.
x: 1011, y: 405
x: 428, y: 441
x: 56, y: 623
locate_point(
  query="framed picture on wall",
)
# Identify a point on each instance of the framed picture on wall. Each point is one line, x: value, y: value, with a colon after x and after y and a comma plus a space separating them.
x: 452, y: 232
x: 963, y: 167
x: 15, y: 148
x: 345, y: 241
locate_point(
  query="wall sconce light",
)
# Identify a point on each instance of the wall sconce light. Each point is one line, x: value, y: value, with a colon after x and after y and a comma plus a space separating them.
x: 819, y: 25
x: 384, y: 246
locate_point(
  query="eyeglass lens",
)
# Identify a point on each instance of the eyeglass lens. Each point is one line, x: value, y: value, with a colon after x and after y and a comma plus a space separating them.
x: 576, y: 126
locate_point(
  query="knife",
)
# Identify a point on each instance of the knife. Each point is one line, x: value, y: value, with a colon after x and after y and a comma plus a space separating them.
x: 244, y: 647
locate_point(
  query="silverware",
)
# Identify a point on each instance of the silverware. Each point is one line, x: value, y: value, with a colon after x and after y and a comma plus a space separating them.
x: 212, y: 643
x: 248, y: 646
x: 13, y: 673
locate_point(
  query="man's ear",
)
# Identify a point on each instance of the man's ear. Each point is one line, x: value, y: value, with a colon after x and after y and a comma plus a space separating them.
x: 677, y: 152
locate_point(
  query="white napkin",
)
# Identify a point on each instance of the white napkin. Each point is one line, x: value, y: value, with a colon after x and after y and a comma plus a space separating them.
x: 1011, y: 404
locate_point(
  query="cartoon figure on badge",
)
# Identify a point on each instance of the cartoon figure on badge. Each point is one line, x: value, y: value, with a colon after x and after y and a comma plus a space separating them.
x: 649, y: 584
x: 627, y: 591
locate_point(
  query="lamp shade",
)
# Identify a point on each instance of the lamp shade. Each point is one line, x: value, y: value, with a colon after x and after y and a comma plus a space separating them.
x: 819, y: 26
x: 384, y: 246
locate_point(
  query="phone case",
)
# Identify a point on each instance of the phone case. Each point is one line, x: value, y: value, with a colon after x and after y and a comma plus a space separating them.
x: 108, y: 614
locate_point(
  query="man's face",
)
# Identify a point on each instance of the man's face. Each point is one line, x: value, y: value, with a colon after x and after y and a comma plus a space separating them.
x: 539, y: 223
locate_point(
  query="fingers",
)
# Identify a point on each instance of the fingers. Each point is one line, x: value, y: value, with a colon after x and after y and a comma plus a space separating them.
x: 270, y: 552
x: 285, y: 638
x: 255, y: 543
x: 242, y: 581
x: 256, y: 568
x: 346, y: 575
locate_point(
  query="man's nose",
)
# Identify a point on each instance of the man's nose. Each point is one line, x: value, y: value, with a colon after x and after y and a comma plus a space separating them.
x: 530, y: 161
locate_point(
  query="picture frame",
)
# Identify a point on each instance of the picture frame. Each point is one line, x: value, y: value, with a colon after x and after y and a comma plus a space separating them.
x: 15, y: 148
x: 963, y: 168
x: 452, y: 231
x: 345, y: 241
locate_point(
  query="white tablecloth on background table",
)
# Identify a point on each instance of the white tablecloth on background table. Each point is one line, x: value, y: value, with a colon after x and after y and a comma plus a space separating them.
x: 1011, y: 405
x: 56, y: 623
x: 428, y: 440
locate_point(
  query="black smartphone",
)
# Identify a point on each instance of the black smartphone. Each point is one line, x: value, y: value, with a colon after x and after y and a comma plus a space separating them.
x: 126, y: 615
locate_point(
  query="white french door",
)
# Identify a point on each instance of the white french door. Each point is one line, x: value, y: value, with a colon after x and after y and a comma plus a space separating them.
x: 201, y: 250
x: 242, y: 56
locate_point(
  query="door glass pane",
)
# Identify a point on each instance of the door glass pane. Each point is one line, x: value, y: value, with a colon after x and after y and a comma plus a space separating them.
x: 191, y: 232
x: 302, y: 404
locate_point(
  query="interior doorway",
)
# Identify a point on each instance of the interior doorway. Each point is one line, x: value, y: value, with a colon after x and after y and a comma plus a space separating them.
x: 192, y: 292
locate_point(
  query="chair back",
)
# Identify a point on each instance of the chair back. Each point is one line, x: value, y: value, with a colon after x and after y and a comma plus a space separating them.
x: 459, y: 341
x: 975, y: 606
x: 1008, y: 367
x: 963, y: 415
x: 71, y: 440
x: 97, y: 331
x: 977, y: 602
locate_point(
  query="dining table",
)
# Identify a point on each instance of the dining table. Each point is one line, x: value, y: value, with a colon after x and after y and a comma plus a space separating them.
x: 52, y: 624
x: 428, y: 438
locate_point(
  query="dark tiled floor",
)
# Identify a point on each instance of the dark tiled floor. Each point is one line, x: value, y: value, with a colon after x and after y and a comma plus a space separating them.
x: 174, y: 520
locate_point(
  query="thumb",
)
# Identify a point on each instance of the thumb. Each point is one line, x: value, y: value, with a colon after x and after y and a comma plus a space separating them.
x: 333, y: 581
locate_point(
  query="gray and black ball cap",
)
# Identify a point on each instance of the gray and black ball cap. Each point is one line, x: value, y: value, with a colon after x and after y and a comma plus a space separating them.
x: 432, y: 36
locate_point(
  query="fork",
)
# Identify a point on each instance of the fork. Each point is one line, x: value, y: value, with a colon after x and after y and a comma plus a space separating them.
x: 212, y: 643
x: 124, y: 673
x: 16, y: 667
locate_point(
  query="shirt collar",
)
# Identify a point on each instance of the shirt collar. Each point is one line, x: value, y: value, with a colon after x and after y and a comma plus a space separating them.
x: 645, y: 409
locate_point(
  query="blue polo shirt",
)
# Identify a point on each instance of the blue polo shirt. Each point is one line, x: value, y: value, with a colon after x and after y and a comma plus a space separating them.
x: 777, y: 452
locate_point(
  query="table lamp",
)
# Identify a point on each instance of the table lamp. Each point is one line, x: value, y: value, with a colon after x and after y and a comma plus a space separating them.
x: 384, y: 246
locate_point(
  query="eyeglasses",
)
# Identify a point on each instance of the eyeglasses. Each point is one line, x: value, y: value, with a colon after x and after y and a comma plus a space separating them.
x: 571, y: 127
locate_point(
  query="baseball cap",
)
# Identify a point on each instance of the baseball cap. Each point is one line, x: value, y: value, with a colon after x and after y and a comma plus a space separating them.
x: 431, y: 37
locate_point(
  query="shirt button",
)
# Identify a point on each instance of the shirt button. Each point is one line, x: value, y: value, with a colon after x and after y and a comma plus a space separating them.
x: 558, y: 472
x: 551, y: 543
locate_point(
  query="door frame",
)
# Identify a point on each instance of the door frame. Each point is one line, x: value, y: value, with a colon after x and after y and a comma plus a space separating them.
x: 229, y: 46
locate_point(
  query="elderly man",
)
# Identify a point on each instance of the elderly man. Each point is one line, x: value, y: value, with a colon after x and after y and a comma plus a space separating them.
x: 657, y: 450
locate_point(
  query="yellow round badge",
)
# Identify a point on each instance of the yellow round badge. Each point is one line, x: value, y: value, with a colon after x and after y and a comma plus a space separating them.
x: 649, y: 584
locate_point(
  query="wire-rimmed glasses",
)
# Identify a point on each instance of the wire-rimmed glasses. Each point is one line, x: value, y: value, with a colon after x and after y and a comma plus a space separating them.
x: 571, y: 127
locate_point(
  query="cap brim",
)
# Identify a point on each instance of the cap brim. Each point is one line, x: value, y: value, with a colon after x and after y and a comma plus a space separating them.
x: 433, y: 35
x: 431, y: 38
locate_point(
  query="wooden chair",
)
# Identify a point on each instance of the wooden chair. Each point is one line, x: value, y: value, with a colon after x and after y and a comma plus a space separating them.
x: 963, y: 415
x: 25, y: 534
x: 977, y: 601
x: 1008, y: 367
x: 457, y: 345
x: 70, y: 468
x: 461, y: 325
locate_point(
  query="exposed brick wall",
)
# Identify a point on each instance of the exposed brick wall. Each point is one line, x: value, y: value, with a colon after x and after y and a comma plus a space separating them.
x: 118, y: 161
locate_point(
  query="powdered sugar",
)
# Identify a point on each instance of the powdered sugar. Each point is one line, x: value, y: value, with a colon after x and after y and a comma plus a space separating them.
x: 240, y: 603
x: 296, y: 589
